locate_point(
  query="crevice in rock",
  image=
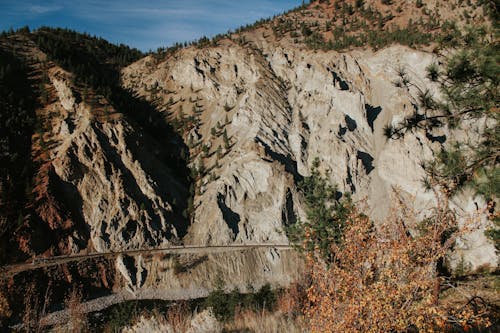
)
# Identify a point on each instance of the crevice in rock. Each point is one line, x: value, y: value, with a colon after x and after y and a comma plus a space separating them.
x: 303, y: 143
x: 338, y: 195
x: 337, y: 79
x: 305, y: 126
x: 143, y: 275
x: 351, y: 123
x: 349, y: 182
x: 439, y: 138
x: 105, y: 235
x: 288, y: 216
x: 287, y: 59
x: 129, y: 231
x: 148, y: 237
x: 372, y: 113
x: 87, y: 152
x: 367, y: 161
x: 198, y: 69
x: 129, y: 263
x: 201, y: 72
x: 231, y: 218
x: 76, y: 170
x: 71, y: 125
x: 342, y: 131
x: 287, y: 161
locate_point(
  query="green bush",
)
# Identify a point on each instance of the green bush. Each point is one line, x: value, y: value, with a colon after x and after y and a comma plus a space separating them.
x: 326, y: 215
x: 224, y: 304
x: 120, y: 316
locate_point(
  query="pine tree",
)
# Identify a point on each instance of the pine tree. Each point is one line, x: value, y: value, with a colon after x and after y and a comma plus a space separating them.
x: 469, y: 83
x: 227, y: 143
x: 326, y: 216
x: 219, y: 152
x: 201, y: 168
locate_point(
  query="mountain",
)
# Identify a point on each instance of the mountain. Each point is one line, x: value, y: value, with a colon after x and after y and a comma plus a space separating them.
x: 109, y: 150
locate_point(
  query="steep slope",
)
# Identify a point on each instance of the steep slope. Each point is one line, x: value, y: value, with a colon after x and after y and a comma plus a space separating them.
x: 106, y: 178
x: 281, y: 106
x: 97, y: 173
x: 206, y: 145
x: 17, y: 104
x: 97, y: 181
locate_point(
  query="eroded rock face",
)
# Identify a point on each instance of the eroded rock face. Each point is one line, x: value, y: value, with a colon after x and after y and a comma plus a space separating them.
x: 102, y: 183
x: 243, y: 197
x: 281, y: 109
x: 254, y: 118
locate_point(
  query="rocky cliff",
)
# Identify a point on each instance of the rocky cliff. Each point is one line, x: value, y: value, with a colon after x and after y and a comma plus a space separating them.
x: 281, y: 108
x: 253, y: 110
x: 90, y: 185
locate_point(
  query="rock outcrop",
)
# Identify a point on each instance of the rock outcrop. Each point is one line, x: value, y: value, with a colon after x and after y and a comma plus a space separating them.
x: 282, y: 108
x: 102, y: 183
x: 254, y: 111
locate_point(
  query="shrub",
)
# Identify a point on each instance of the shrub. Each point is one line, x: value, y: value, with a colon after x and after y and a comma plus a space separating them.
x: 224, y: 305
x: 77, y: 322
x: 121, y: 315
x: 326, y: 216
x: 385, y: 280
x: 433, y: 72
x: 5, y: 311
x: 178, y: 316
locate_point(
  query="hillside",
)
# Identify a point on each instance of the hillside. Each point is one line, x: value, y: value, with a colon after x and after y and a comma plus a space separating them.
x: 207, y: 145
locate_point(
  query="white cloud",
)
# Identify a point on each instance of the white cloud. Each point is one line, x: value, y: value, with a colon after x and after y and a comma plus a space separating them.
x: 40, y: 9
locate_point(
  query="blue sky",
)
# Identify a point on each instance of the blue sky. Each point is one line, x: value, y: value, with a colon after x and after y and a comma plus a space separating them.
x: 144, y: 24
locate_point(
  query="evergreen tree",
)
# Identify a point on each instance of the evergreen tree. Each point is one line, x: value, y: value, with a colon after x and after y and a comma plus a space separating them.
x: 225, y: 138
x: 469, y: 83
x: 326, y: 215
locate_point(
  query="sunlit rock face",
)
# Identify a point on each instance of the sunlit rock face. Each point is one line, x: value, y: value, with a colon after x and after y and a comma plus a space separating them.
x: 282, y: 108
x: 254, y: 113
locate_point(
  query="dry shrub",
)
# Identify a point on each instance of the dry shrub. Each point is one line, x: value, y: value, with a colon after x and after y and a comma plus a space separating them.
x: 179, y: 316
x: 290, y: 300
x: 77, y: 321
x: 35, y: 308
x: 262, y: 322
x: 385, y: 279
x: 5, y: 311
x: 162, y: 256
x: 148, y: 322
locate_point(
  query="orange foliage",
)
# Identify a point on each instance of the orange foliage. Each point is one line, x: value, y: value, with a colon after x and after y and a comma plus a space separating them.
x: 384, y: 279
x: 290, y: 300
